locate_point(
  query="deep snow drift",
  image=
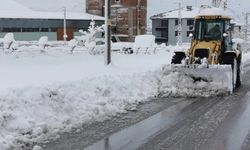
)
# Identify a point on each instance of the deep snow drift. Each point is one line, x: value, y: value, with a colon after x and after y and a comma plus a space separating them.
x: 44, y: 93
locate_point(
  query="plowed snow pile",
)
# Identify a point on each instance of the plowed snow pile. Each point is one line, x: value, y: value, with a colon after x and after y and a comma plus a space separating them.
x: 176, y: 84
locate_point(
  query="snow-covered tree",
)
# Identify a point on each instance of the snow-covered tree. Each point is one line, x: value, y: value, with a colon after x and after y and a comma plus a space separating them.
x: 89, y: 37
x: 9, y: 42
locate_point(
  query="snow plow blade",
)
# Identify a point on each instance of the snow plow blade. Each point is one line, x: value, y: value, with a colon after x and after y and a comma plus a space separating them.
x: 221, y: 75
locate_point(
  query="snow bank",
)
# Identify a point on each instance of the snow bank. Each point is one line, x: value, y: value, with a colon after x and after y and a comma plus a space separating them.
x: 144, y: 41
x: 29, y: 113
x: 173, y: 48
x: 43, y: 94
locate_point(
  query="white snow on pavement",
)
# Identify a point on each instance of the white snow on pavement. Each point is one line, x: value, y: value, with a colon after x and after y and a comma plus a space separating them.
x: 42, y: 94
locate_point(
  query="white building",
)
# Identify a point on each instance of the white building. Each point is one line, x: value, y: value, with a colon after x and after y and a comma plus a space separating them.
x: 165, y: 25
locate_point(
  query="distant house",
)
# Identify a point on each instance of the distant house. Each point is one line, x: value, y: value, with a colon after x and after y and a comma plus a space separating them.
x: 27, y: 24
x: 164, y: 25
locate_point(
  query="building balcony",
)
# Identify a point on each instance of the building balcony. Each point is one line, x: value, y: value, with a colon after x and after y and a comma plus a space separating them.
x: 161, y: 40
x: 161, y: 28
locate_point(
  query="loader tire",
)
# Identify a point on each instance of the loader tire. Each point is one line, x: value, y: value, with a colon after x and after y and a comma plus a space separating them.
x: 177, y: 58
x: 235, y: 70
x: 238, y: 80
x: 236, y: 76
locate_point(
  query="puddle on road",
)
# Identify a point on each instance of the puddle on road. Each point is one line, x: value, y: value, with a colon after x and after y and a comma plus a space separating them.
x: 133, y: 137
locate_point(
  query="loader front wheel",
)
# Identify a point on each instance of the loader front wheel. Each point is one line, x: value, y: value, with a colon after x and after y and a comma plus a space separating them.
x: 178, y: 57
x: 236, y: 78
x: 235, y: 70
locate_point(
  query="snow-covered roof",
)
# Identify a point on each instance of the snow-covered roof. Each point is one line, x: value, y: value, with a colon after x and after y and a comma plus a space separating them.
x: 48, y: 15
x: 13, y: 9
x: 208, y: 10
x: 55, y: 5
x: 185, y: 13
x: 11, y: 5
x: 192, y: 12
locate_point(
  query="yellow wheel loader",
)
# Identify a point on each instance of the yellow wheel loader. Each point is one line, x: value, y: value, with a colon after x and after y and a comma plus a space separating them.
x: 211, y: 56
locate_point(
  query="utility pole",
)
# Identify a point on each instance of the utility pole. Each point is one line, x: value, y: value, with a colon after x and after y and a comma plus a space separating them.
x: 138, y: 16
x: 179, y: 28
x: 225, y: 4
x: 246, y: 26
x: 64, y: 26
x: 130, y: 24
x: 107, y: 32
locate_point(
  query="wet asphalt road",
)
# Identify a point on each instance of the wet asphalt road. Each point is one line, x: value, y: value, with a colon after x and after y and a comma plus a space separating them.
x: 218, y: 123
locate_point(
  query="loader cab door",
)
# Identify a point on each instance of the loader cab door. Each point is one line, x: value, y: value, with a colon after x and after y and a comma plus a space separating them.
x: 227, y: 40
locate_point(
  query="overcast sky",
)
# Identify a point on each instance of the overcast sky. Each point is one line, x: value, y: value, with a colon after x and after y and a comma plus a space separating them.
x: 158, y: 6
x: 154, y: 6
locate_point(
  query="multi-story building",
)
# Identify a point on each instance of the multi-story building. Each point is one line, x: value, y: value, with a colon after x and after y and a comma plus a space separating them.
x: 128, y: 16
x: 165, y: 25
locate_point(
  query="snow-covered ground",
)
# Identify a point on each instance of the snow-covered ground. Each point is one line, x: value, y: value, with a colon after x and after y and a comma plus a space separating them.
x: 42, y: 94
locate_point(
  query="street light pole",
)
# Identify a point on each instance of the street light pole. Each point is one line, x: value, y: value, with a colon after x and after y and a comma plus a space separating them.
x: 179, y: 28
x: 246, y: 26
x: 138, y: 17
x: 107, y: 32
x: 64, y: 26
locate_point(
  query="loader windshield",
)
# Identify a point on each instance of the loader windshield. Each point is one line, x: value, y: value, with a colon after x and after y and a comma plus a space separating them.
x: 208, y: 30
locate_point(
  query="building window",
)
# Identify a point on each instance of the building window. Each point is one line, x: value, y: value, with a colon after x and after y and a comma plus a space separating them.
x: 30, y: 29
x: 190, y: 22
x: 177, y: 22
x: 164, y: 23
x: 53, y: 29
x: 176, y: 33
x: 11, y: 30
x: 161, y: 40
x: 164, y: 33
x: 188, y: 32
x: 44, y: 30
x: 191, y: 28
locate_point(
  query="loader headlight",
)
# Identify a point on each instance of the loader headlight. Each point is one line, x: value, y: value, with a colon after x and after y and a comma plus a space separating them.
x: 196, y: 58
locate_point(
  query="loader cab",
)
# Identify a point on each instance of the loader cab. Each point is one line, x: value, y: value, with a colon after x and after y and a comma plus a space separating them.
x: 208, y: 30
x: 214, y: 28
